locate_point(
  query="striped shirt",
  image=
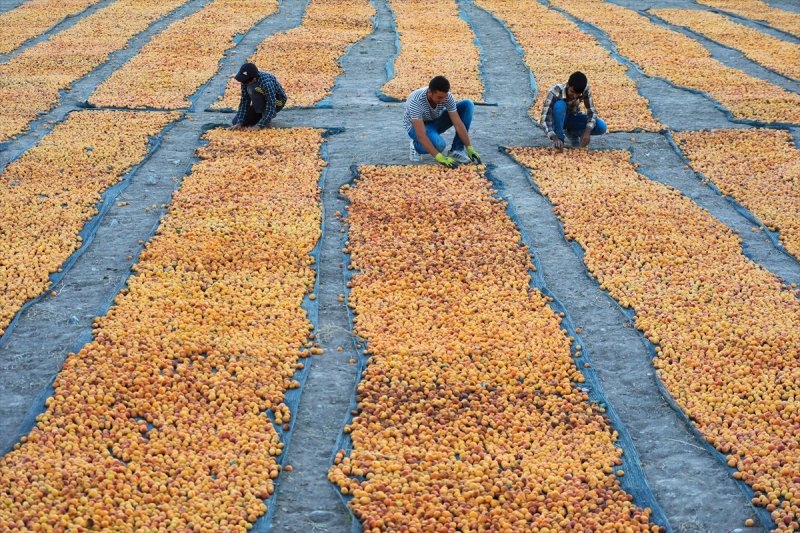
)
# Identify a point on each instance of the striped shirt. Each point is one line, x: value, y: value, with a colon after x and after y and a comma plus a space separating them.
x: 559, y: 92
x: 418, y: 107
x: 268, y: 86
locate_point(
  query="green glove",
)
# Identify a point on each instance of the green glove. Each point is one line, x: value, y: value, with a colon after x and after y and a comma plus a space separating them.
x: 475, y: 156
x: 279, y: 104
x: 449, y: 162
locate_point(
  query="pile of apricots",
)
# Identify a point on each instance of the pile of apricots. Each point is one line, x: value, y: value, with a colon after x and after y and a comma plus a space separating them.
x: 50, y: 193
x: 176, y: 62
x: 328, y: 28
x: 167, y: 420
x: 668, y: 54
x: 470, y: 412
x: 725, y: 329
x: 536, y: 28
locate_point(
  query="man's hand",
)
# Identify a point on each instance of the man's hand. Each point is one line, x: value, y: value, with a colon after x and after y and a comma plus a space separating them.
x: 253, y: 128
x: 473, y: 155
x: 585, y: 137
x: 279, y: 104
x: 235, y: 127
x: 558, y: 144
x: 449, y: 162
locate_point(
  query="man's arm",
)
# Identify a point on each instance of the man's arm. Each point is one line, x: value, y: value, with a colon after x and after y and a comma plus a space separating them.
x: 547, y: 113
x: 243, y: 103
x: 461, y: 130
x: 547, y: 118
x: 591, y: 112
x: 269, y: 107
x: 422, y: 136
x: 269, y: 88
x: 281, y: 97
x: 591, y: 117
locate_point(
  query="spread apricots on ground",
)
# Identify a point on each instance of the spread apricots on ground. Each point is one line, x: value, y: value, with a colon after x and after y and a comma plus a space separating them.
x: 160, y: 423
x: 776, y: 54
x: 725, y: 328
x: 537, y: 28
x: 328, y: 28
x: 671, y: 55
x: 176, y: 62
x: 425, y: 52
x: 476, y: 409
x: 469, y: 413
x: 32, y: 80
x: 788, y: 21
x: 35, y: 17
x: 759, y: 168
x: 50, y: 192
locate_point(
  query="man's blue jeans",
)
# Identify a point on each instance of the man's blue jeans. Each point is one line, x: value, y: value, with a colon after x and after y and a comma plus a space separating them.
x: 435, y: 128
x: 573, y: 124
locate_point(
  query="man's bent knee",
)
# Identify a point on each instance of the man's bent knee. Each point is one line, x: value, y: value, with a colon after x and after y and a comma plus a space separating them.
x: 439, y: 143
x: 465, y: 105
x: 600, y: 127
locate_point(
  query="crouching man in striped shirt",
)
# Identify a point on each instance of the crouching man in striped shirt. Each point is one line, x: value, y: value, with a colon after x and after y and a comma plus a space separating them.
x: 561, y: 113
x: 425, y: 120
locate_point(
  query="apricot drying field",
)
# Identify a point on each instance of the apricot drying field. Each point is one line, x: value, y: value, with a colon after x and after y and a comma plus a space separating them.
x: 299, y: 330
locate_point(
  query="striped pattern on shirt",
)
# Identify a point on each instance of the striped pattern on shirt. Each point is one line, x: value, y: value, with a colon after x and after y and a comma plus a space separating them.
x: 418, y: 107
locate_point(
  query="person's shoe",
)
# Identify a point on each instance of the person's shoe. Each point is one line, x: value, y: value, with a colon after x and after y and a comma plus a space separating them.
x: 574, y: 140
x: 413, y: 155
x: 460, y: 156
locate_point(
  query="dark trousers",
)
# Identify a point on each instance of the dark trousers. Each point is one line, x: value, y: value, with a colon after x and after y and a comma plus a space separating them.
x: 251, y: 118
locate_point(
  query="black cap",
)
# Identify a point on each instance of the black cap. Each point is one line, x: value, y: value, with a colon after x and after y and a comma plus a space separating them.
x: 247, y: 72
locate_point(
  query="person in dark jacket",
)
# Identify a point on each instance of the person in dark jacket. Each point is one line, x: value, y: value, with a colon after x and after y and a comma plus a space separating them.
x: 262, y: 98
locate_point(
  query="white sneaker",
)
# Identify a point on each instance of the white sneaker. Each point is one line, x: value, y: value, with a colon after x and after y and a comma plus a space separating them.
x: 460, y: 156
x: 413, y: 155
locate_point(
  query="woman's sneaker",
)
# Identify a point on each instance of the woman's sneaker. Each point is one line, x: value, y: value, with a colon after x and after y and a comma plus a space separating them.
x: 413, y: 155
